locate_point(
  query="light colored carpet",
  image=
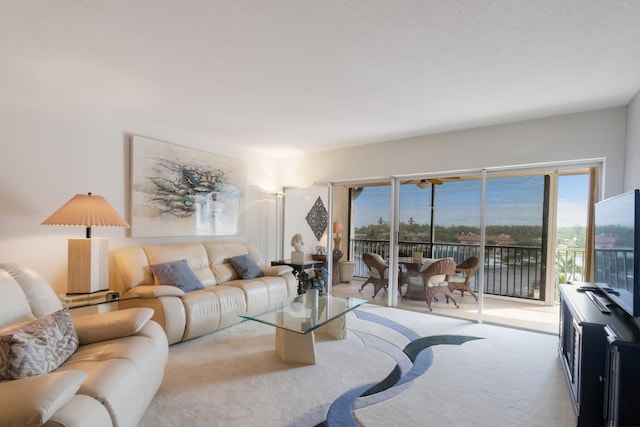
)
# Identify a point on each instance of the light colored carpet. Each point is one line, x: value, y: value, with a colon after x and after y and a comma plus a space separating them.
x: 234, y: 377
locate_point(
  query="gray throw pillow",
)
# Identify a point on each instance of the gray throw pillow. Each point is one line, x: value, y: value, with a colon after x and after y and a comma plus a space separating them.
x: 178, y: 274
x: 245, y: 266
x: 37, y: 347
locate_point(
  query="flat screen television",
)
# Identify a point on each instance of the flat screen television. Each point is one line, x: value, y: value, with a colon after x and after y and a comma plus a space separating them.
x: 617, y: 250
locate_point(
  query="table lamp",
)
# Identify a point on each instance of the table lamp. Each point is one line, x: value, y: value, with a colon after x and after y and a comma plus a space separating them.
x: 337, y: 229
x: 88, y: 261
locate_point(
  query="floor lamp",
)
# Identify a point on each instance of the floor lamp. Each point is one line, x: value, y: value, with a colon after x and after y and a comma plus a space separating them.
x: 88, y: 258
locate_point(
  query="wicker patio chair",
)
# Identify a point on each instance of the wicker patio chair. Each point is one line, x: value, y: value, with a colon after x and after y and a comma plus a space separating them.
x: 460, y: 280
x: 378, y: 272
x: 432, y: 281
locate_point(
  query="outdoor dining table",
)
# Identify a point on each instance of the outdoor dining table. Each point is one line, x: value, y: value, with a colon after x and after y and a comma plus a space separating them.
x: 406, y: 267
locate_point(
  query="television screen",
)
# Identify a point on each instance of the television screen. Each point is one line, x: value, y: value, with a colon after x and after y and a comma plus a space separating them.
x: 616, y: 240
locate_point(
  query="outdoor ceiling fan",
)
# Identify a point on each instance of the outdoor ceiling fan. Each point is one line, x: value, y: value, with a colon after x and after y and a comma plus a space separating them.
x: 424, y: 183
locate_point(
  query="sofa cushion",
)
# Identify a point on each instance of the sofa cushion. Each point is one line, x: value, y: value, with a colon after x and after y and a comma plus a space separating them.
x: 245, y: 266
x: 373, y: 272
x: 457, y: 278
x: 32, y: 401
x: 38, y: 346
x: 178, y: 274
x: 41, y: 296
x: 378, y: 258
x: 114, y: 324
x: 150, y: 291
x: 14, y: 305
x: 418, y: 280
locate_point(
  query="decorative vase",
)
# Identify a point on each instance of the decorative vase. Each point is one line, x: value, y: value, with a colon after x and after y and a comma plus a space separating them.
x: 311, y: 298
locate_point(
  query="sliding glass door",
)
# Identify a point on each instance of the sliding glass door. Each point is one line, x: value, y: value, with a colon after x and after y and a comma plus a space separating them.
x: 439, y: 216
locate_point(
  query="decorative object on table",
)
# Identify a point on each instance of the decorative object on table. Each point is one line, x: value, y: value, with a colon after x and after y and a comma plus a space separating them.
x: 178, y: 191
x: 311, y: 298
x: 88, y: 258
x: 313, y: 278
x: 297, y: 255
x: 321, y: 250
x: 337, y: 237
x: 417, y: 257
x: 317, y: 218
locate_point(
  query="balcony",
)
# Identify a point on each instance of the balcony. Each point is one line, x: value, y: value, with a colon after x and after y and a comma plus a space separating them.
x: 514, y: 281
x: 495, y: 310
x: 510, y: 271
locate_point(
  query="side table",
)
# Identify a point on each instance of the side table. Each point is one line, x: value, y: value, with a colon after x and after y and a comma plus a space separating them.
x: 100, y: 302
x: 298, y: 267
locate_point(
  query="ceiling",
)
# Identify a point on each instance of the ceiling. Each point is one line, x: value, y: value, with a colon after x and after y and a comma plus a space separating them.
x: 286, y: 77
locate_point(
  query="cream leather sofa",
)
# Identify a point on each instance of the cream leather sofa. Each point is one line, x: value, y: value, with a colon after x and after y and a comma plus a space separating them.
x: 187, y: 315
x: 112, y: 363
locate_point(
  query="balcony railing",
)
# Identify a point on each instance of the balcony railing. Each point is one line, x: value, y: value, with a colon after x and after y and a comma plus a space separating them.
x: 514, y: 271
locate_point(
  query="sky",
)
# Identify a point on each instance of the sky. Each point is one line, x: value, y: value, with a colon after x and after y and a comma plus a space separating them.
x: 617, y: 210
x: 510, y: 201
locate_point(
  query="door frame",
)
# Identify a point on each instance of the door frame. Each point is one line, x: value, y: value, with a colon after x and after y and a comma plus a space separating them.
x: 552, y: 168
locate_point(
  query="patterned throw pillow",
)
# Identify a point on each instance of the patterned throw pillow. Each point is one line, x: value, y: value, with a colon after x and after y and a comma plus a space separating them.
x: 37, y: 347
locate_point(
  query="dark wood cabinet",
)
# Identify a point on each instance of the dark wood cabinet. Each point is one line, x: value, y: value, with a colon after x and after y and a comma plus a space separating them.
x: 601, y: 357
x: 622, y: 399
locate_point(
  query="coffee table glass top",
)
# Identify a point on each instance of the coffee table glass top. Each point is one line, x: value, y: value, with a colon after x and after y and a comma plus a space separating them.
x: 302, y: 317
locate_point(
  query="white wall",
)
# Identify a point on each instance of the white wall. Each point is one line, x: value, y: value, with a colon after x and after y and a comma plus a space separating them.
x: 298, y: 202
x: 56, y: 149
x: 52, y: 151
x: 632, y: 153
x: 597, y: 134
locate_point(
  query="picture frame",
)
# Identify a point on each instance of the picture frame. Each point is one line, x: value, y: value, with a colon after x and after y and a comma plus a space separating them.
x: 180, y: 191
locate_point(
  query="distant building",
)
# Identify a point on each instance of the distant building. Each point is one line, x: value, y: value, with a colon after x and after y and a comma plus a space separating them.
x: 605, y: 242
x: 474, y: 239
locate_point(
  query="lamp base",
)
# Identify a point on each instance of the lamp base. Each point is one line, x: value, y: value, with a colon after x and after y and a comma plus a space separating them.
x: 336, y: 243
x: 88, y: 269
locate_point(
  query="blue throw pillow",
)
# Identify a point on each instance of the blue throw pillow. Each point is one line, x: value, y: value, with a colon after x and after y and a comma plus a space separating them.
x: 245, y: 266
x: 178, y: 274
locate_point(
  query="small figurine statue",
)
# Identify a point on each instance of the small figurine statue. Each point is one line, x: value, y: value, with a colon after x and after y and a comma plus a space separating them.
x: 297, y: 255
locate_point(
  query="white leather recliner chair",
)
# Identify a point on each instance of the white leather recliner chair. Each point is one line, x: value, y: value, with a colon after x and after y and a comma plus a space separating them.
x: 95, y: 370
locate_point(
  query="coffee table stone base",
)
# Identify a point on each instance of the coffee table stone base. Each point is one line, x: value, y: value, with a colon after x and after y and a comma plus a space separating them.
x: 293, y: 347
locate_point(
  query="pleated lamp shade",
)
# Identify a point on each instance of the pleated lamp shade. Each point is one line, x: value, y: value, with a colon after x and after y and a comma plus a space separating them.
x: 86, y: 210
x: 88, y: 261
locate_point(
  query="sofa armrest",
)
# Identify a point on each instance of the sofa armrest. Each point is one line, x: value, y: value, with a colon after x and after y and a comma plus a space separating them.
x: 153, y: 291
x: 276, y: 270
x: 114, y: 324
x: 32, y: 401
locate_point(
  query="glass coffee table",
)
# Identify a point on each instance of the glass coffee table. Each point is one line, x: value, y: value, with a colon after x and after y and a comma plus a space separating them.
x: 296, y: 323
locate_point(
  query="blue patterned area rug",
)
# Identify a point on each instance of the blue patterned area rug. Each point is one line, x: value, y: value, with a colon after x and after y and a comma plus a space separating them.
x: 395, y: 368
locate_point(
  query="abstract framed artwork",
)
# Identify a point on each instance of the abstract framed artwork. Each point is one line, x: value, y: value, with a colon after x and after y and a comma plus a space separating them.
x: 179, y: 191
